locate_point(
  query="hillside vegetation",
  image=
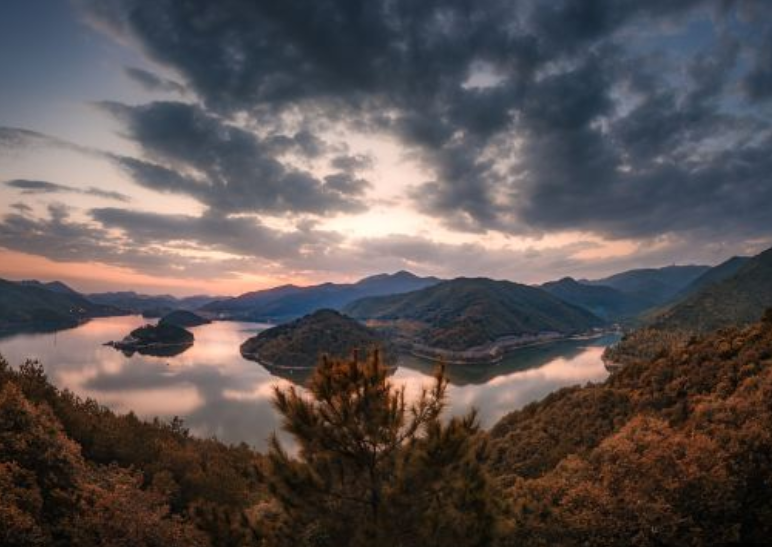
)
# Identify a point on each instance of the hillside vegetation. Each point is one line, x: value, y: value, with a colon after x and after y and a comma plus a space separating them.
x: 653, y: 286
x: 300, y: 343
x: 737, y: 300
x: 38, y: 305
x: 605, y: 302
x: 464, y: 313
x: 74, y: 473
x: 674, y: 450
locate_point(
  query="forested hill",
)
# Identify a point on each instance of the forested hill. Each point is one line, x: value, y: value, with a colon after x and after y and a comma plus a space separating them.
x: 653, y: 286
x: 737, y: 300
x: 300, y: 343
x: 468, y: 312
x: 605, y: 302
x: 28, y: 305
x: 672, y: 450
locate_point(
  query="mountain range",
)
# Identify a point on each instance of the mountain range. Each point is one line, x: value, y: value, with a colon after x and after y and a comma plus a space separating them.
x: 453, y: 315
x: 289, y: 302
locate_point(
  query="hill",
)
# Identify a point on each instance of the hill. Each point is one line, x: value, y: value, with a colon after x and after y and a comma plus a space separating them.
x: 653, y: 286
x: 288, y: 302
x: 183, y: 318
x: 299, y: 344
x: 716, y: 274
x: 605, y: 302
x: 53, y: 286
x: 465, y: 313
x: 35, y: 305
x: 683, y: 438
x: 737, y: 300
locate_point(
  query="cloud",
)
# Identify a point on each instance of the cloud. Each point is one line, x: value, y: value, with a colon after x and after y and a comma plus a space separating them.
x: 226, y: 167
x: 237, y: 235
x: 152, y: 82
x: 31, y: 187
x: 618, y: 117
x: 156, y: 244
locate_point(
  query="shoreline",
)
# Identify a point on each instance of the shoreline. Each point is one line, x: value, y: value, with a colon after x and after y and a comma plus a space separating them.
x: 492, y: 353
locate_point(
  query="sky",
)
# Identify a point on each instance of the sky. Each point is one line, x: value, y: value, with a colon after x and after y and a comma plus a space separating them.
x: 220, y: 147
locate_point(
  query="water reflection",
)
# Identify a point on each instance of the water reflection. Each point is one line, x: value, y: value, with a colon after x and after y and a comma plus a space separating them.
x: 219, y: 393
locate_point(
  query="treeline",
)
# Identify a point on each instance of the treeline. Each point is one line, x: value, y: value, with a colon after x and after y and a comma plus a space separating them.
x: 674, y: 449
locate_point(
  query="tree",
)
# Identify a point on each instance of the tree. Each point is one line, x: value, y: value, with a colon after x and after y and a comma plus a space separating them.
x: 372, y: 469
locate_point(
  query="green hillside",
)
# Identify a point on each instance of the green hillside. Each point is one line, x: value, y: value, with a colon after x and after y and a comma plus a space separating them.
x: 738, y: 300
x: 464, y: 313
x: 653, y: 286
x: 605, y: 302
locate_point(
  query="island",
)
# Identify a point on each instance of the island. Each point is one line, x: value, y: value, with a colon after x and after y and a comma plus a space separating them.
x: 162, y: 340
x: 300, y: 343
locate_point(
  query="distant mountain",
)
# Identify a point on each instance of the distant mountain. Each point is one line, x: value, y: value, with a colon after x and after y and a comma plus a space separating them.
x: 465, y: 313
x: 183, y: 318
x: 300, y: 343
x: 34, y: 304
x: 714, y: 275
x: 605, y: 302
x: 155, y: 305
x: 53, y: 286
x: 289, y: 302
x: 737, y: 300
x: 653, y: 286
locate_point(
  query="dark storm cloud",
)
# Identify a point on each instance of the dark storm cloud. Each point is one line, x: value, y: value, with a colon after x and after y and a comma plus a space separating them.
x: 224, y: 166
x: 153, y: 82
x: 622, y: 117
x: 758, y: 82
x: 30, y: 187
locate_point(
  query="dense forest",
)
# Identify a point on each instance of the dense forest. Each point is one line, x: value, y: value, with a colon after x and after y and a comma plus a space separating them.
x: 673, y: 449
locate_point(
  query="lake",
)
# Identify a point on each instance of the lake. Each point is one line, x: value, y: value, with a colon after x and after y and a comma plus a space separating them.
x: 219, y: 393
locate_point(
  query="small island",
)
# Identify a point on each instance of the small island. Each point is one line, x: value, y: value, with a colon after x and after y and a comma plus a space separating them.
x: 300, y: 343
x: 183, y: 318
x: 162, y: 340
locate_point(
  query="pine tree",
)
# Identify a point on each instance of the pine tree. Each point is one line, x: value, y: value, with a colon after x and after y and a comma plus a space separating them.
x: 372, y: 469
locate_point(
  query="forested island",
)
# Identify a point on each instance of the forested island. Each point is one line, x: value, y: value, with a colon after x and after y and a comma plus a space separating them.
x: 163, y: 339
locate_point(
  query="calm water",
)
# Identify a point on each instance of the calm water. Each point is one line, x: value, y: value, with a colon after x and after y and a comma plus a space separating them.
x: 219, y: 393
